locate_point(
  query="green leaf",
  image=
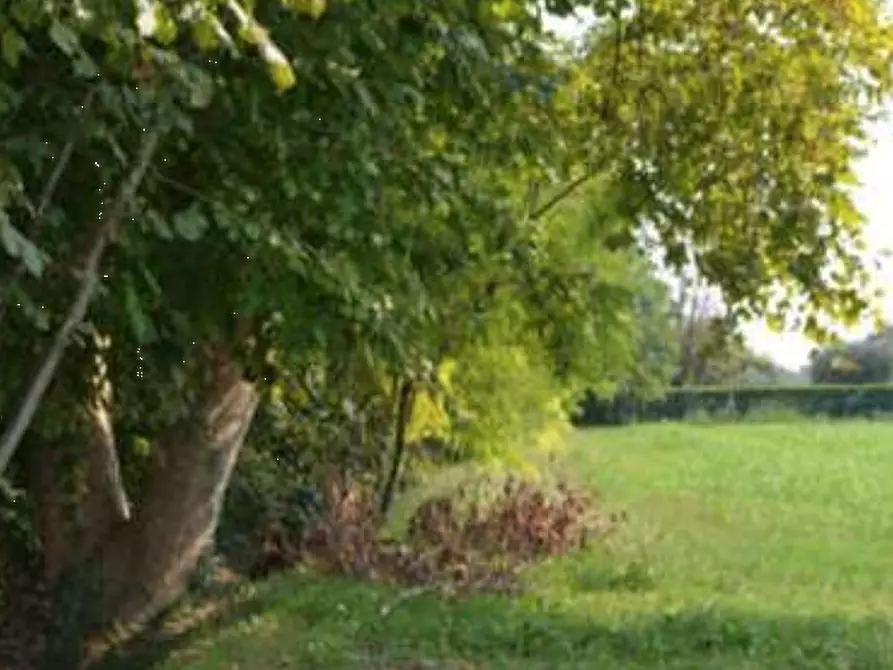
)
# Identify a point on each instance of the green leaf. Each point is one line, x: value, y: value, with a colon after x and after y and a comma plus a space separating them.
x: 12, y: 45
x: 205, y: 34
x: 19, y: 246
x: 283, y: 76
x: 142, y: 326
x: 152, y: 282
x: 366, y: 98
x: 64, y: 38
x: 165, y: 25
x: 312, y: 8
x: 85, y: 67
x: 191, y: 223
x: 199, y: 86
x: 159, y: 225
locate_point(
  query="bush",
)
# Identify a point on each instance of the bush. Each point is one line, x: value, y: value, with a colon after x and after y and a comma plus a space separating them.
x: 477, y: 538
x: 265, y: 494
x: 500, y: 396
x: 276, y: 490
x: 865, y: 400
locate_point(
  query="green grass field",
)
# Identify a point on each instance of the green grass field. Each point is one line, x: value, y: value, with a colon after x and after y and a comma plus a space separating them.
x: 748, y: 546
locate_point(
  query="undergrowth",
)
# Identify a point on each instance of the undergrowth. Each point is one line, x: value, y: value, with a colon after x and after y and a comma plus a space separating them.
x: 479, y: 537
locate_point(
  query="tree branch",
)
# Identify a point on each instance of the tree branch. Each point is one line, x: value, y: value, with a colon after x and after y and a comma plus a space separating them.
x: 107, y: 229
x: 46, y: 196
x: 405, y: 398
x: 185, y: 189
x: 49, y: 188
x: 593, y: 169
x: 566, y: 191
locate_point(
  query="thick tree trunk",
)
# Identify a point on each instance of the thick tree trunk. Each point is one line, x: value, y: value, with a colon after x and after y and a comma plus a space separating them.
x: 145, y: 565
x: 78, y: 502
x: 77, y: 506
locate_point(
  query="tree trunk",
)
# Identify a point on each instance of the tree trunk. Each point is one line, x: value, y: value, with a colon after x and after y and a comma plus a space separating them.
x: 78, y: 503
x: 145, y: 565
x: 77, y: 506
x: 403, y: 416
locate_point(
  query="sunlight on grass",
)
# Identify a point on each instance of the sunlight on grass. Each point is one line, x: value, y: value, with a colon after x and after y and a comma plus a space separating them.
x: 748, y: 546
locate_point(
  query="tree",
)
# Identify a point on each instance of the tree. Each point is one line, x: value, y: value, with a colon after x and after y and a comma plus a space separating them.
x: 407, y: 174
x: 712, y: 350
x: 219, y: 270
x: 753, y: 188
x: 868, y: 361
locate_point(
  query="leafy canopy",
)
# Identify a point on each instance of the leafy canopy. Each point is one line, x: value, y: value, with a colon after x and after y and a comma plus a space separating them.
x: 382, y: 176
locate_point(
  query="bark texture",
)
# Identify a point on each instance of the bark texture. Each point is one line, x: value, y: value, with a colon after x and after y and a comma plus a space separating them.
x: 80, y: 501
x: 145, y: 564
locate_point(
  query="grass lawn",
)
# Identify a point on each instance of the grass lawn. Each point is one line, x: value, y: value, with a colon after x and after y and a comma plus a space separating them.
x: 749, y: 546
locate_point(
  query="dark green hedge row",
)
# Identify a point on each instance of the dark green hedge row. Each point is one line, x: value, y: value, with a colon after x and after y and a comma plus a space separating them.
x: 681, y: 403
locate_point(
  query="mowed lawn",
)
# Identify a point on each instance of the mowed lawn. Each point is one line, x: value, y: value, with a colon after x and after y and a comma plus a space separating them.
x: 748, y: 546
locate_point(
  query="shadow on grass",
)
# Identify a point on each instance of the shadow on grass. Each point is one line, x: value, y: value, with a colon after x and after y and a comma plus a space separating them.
x: 181, y: 627
x: 337, y: 624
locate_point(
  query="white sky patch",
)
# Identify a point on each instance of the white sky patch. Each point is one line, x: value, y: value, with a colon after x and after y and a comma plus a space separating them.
x: 146, y: 21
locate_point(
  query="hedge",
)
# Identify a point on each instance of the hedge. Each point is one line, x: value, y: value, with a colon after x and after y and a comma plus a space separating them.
x: 863, y: 400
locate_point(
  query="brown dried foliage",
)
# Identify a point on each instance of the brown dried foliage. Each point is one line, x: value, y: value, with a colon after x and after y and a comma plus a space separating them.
x: 461, y: 542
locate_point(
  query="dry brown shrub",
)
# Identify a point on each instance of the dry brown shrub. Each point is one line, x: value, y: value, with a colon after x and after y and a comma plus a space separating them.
x: 460, y: 542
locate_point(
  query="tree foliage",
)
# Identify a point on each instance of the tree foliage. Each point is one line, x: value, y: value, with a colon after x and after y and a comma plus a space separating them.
x: 867, y: 361
x: 296, y: 198
x: 739, y: 123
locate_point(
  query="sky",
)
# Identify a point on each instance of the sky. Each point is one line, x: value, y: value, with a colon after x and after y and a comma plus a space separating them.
x: 873, y: 196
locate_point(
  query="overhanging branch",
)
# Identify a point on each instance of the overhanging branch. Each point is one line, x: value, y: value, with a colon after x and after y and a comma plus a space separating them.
x: 46, y: 196
x: 567, y: 190
x: 107, y: 228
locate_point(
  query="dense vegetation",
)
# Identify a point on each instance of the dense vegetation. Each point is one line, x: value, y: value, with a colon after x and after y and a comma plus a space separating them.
x: 732, y: 403
x: 368, y: 237
x: 867, y: 361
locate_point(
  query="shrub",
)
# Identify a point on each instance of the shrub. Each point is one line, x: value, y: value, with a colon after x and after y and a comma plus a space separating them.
x: 465, y: 541
x: 265, y: 494
x: 865, y: 400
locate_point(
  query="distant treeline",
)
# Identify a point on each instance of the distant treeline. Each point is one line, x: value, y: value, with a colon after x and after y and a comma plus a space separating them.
x: 680, y: 403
